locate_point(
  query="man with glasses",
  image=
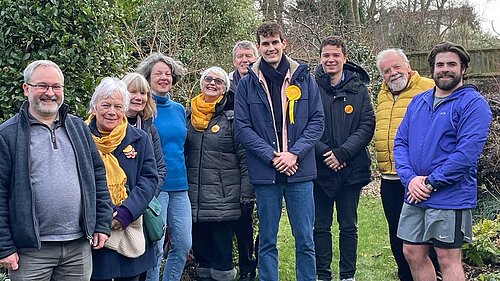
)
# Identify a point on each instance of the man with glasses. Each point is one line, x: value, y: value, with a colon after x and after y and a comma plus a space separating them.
x: 54, y: 202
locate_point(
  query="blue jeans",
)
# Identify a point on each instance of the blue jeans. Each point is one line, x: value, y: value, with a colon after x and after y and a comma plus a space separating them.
x: 300, y: 208
x: 176, y: 211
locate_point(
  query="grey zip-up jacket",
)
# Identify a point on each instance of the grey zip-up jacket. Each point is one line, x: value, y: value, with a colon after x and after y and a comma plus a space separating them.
x: 18, y: 225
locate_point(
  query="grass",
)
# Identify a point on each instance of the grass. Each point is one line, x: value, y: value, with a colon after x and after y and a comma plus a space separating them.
x: 375, y: 261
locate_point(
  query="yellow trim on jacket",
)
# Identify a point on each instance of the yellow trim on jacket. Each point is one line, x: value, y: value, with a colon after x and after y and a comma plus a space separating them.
x: 389, y: 114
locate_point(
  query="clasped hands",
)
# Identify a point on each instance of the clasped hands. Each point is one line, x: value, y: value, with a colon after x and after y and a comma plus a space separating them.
x: 417, y: 191
x: 332, y: 162
x: 285, y: 163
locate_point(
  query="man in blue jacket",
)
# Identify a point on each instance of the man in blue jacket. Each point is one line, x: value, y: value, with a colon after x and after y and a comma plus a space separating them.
x: 278, y: 119
x: 54, y: 202
x: 342, y: 157
x: 436, y: 150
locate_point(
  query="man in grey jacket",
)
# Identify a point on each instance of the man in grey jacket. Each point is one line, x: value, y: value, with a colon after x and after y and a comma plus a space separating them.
x: 54, y: 202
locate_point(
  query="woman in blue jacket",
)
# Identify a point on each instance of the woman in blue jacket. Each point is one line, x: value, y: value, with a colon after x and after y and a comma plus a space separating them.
x: 131, y: 177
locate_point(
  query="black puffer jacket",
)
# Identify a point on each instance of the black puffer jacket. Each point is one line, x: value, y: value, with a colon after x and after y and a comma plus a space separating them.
x: 216, y: 168
x: 349, y: 127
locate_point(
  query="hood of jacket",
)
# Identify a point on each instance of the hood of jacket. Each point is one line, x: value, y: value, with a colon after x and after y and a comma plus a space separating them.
x: 351, y: 71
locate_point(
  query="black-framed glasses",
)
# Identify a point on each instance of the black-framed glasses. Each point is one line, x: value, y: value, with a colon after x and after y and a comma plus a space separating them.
x: 218, y: 81
x: 43, y: 88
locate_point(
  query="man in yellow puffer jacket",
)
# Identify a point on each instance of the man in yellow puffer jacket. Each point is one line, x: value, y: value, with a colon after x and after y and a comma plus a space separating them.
x: 400, y: 85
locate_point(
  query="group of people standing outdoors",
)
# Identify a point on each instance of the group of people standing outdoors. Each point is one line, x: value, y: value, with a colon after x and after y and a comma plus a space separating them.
x: 265, y: 132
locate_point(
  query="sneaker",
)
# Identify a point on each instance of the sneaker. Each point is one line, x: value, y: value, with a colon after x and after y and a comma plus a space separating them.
x: 247, y: 276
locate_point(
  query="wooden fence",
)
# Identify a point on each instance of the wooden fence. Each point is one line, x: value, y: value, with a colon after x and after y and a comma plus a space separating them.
x: 485, y: 63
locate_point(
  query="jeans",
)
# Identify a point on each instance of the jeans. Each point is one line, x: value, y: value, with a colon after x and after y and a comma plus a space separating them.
x: 176, y: 211
x: 68, y: 260
x: 346, y: 203
x: 300, y: 208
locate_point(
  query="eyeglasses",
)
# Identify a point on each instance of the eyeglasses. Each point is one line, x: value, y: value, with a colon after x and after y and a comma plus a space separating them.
x: 43, y: 88
x: 218, y: 81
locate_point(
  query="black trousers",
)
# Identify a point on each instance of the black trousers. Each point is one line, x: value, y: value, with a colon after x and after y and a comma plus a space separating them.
x: 346, y: 204
x: 243, y: 229
x: 213, y: 244
x: 392, y: 194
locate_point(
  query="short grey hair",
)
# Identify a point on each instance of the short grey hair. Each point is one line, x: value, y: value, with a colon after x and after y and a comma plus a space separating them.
x: 247, y: 45
x: 106, y: 88
x: 220, y: 72
x: 146, y: 66
x: 390, y: 51
x: 28, y: 71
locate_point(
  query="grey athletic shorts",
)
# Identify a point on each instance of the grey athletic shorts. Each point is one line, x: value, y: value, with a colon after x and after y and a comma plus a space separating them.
x: 447, y: 228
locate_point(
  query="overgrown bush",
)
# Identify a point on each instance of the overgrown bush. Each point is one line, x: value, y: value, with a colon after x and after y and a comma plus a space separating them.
x: 489, y: 164
x: 485, y: 246
x: 82, y: 36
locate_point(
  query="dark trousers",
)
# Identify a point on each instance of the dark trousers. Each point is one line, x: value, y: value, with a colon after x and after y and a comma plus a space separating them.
x: 243, y: 229
x: 213, y: 245
x: 392, y: 193
x: 346, y: 203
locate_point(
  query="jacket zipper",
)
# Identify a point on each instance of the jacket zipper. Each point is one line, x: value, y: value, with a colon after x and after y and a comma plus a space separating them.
x: 82, y: 191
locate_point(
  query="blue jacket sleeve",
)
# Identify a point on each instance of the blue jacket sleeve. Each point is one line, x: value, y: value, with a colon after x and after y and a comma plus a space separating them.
x: 147, y: 181
x: 472, y: 131
x: 243, y: 128
x: 314, y: 129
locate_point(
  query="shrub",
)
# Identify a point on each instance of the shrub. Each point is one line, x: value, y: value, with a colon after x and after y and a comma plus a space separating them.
x: 82, y: 36
x: 485, y: 246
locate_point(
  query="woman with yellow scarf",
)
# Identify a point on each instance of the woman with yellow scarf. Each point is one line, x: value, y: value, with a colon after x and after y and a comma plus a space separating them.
x: 131, y: 177
x: 217, y: 176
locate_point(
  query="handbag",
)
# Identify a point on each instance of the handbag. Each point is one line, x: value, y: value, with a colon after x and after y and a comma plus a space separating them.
x: 153, y: 223
x: 129, y: 242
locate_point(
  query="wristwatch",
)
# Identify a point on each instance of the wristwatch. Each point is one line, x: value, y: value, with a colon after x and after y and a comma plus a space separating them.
x: 429, y: 186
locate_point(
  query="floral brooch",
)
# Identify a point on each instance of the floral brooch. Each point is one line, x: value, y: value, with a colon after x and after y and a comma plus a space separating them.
x: 129, y: 151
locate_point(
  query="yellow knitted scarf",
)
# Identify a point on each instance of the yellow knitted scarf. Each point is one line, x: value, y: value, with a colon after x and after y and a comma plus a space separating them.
x: 115, y: 176
x: 202, y: 112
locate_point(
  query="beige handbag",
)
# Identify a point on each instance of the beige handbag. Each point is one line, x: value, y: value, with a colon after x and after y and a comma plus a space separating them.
x: 129, y: 242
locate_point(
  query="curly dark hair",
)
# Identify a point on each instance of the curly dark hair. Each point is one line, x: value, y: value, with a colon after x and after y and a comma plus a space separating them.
x: 269, y: 28
x: 333, y: 41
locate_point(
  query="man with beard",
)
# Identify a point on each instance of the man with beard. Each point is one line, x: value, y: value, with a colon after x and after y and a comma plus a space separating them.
x: 342, y: 157
x: 436, y: 150
x: 278, y: 119
x: 54, y: 200
x: 400, y: 85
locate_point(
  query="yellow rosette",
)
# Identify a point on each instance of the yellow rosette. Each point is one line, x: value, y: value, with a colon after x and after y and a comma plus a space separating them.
x: 293, y: 93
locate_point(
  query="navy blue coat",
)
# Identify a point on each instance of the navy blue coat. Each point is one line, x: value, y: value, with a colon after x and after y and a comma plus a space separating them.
x: 142, y: 180
x: 253, y: 125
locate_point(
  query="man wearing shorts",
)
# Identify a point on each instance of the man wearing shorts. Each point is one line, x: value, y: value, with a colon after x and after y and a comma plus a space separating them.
x: 436, y: 150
